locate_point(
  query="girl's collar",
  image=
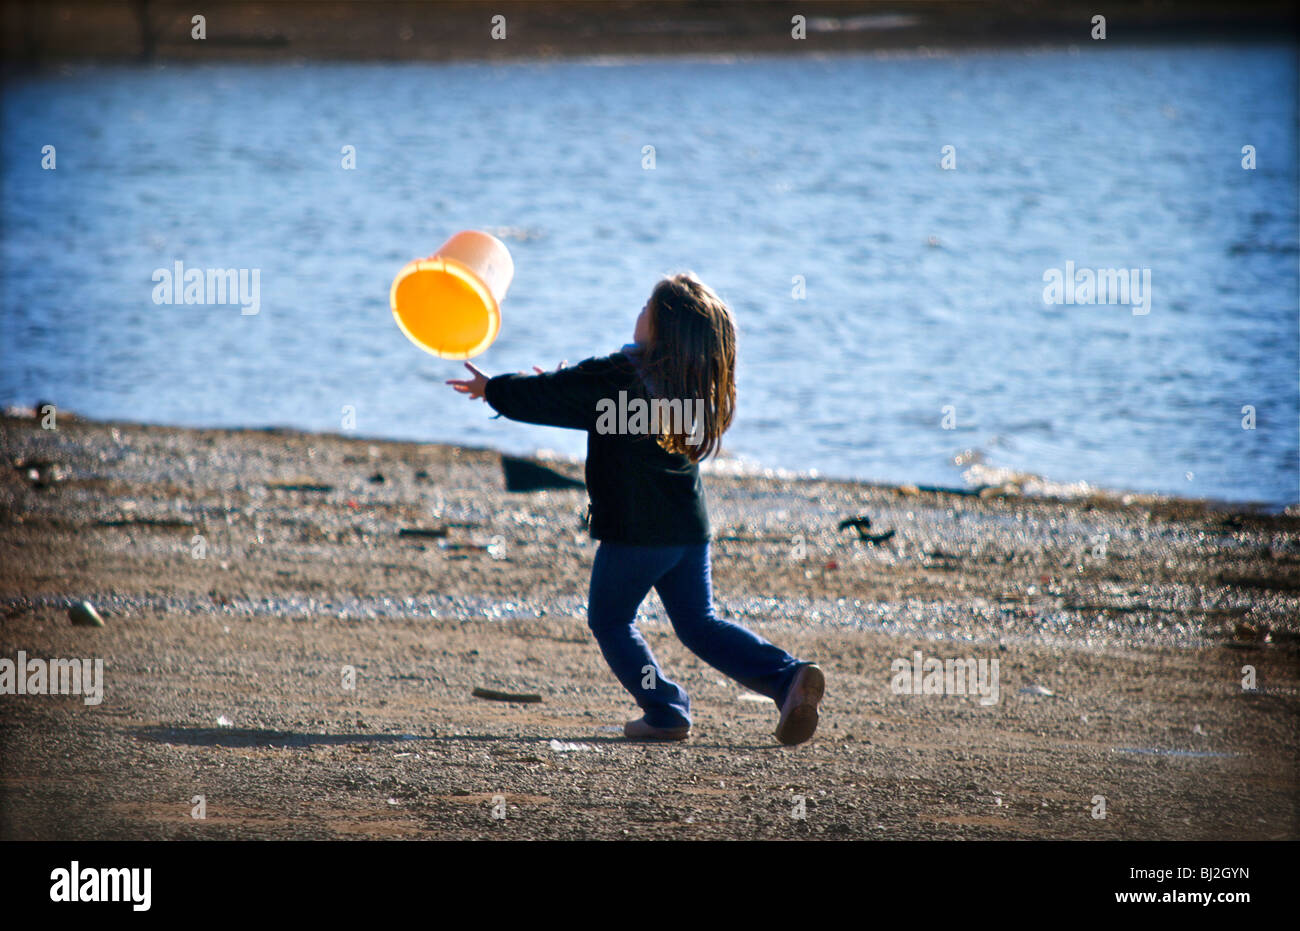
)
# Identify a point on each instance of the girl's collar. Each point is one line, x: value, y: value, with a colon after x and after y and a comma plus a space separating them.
x: 636, y: 352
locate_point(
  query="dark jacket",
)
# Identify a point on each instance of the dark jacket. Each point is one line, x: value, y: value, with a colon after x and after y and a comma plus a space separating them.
x: 640, y: 493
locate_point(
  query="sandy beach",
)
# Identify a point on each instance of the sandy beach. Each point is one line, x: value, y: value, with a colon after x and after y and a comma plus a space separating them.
x: 241, y: 574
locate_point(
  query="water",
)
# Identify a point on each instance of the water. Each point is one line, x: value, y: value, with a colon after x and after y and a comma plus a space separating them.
x: 923, y: 286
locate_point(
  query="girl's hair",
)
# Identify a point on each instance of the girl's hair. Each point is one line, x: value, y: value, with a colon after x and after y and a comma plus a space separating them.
x: 691, y: 356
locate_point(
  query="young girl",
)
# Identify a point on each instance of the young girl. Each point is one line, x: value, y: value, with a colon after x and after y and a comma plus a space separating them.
x: 647, y: 502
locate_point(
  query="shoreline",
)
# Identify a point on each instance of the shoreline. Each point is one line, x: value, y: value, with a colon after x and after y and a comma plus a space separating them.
x: 463, y: 31
x: 19, y: 71
x: 238, y: 571
x: 742, y: 467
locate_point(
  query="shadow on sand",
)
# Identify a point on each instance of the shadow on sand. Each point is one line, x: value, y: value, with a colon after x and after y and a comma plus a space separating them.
x: 252, y: 737
x: 257, y: 737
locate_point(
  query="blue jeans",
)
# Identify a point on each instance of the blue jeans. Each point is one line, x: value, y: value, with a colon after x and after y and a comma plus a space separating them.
x: 622, y: 575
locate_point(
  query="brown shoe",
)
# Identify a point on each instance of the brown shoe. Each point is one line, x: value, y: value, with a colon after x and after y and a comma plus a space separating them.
x: 799, y: 713
x: 639, y: 730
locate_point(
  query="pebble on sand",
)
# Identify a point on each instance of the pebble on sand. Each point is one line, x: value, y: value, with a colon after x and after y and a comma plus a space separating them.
x: 83, y: 614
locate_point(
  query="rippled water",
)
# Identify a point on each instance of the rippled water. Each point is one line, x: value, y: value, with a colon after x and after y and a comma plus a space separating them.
x: 924, y: 286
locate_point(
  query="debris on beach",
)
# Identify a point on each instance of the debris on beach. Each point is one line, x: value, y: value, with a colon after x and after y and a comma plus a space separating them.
x: 526, y: 475
x: 1165, y: 751
x: 302, y: 485
x: 495, y: 695
x: 461, y: 547
x: 911, y: 491
x: 46, y: 478
x: 224, y: 721
x: 753, y: 696
x: 1035, y: 690
x: 741, y: 537
x: 83, y: 614
x: 940, y: 559
x: 377, y: 479
x: 40, y: 472
x: 1249, y: 632
x: 560, y: 746
x: 168, y: 523
x: 1005, y: 490
x: 862, y: 524
x: 431, y: 533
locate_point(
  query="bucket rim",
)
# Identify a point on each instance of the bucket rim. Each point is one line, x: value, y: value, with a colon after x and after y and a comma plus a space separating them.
x: 461, y: 271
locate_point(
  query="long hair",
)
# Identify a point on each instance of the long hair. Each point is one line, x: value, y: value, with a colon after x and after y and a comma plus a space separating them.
x: 691, y: 356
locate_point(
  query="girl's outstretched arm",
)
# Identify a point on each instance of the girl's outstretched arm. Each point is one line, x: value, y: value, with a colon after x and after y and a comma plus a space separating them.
x: 474, y: 386
x: 470, y: 386
x: 567, y: 397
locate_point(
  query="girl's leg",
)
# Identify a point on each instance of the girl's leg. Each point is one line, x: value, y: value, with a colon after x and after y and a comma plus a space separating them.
x: 621, y: 577
x: 687, y: 594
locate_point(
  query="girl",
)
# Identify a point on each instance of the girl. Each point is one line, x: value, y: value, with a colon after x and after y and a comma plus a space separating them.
x: 647, y: 501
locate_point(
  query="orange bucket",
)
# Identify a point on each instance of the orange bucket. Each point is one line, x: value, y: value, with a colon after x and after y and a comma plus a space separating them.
x: 450, y: 303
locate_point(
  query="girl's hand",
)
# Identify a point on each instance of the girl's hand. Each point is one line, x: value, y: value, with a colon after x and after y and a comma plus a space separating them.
x: 473, y: 387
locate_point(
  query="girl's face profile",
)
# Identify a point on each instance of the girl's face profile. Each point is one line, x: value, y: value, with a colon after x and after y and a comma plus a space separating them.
x: 642, y: 332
